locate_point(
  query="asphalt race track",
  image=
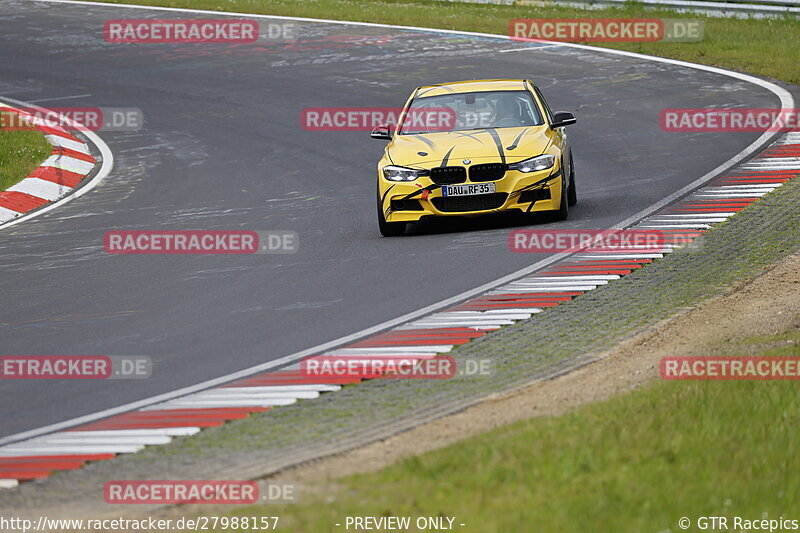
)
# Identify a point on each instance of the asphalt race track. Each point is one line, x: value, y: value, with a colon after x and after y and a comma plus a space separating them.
x: 223, y: 148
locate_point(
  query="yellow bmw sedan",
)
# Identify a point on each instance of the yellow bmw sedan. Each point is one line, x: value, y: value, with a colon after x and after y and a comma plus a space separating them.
x: 474, y: 147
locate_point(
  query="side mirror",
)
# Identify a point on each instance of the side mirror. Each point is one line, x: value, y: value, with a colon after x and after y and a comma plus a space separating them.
x: 563, y: 118
x: 382, y: 132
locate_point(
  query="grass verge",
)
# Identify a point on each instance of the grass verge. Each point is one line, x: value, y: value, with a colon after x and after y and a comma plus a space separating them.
x: 638, y: 462
x: 749, y: 45
x: 20, y: 151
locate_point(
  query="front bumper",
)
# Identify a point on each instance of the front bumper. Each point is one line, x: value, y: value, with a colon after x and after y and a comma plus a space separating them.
x: 515, y: 191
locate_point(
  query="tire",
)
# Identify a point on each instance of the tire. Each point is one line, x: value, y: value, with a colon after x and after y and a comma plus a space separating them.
x: 563, y: 210
x: 389, y: 229
x: 572, y: 194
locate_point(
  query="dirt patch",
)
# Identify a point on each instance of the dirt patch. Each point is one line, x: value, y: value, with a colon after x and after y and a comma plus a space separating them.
x: 765, y: 305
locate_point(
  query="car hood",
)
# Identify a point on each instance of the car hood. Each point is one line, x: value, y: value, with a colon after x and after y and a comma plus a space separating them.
x: 506, y: 145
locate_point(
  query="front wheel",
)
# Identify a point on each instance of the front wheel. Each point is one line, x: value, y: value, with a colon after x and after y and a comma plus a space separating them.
x: 389, y: 229
x: 563, y: 208
x: 572, y: 194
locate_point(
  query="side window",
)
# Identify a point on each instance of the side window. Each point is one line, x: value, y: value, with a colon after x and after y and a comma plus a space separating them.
x: 544, y: 104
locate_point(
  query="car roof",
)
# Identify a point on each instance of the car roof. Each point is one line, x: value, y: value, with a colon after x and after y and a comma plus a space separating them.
x: 471, y: 86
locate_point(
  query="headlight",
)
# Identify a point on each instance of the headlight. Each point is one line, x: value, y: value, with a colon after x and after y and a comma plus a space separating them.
x: 393, y: 173
x: 534, y: 164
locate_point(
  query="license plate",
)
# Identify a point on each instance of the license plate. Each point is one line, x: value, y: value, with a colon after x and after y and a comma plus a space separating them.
x: 468, y: 189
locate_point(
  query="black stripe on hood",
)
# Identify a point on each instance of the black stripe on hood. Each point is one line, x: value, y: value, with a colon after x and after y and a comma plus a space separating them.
x: 499, y: 143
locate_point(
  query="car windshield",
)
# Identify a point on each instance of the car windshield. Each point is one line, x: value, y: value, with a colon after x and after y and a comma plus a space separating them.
x: 471, y: 111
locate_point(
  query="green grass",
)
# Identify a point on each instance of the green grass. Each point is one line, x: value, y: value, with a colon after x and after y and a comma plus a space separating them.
x: 638, y: 462
x: 764, y: 47
x: 20, y: 151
